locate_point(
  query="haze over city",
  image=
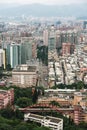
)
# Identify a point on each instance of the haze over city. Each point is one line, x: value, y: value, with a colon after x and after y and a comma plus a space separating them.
x: 39, y: 8
x: 58, y: 2
x: 43, y: 64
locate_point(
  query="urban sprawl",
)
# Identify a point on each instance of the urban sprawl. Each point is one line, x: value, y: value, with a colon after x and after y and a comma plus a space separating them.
x: 50, y: 53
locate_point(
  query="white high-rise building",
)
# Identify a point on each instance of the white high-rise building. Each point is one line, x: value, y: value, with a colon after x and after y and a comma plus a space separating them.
x: 2, y: 58
x: 45, y: 37
x: 14, y: 54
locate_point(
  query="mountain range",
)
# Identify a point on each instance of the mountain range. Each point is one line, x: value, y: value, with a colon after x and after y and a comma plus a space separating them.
x: 39, y: 10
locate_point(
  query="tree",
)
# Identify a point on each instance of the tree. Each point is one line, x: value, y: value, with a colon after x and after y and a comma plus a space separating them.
x: 1, y: 72
x: 24, y: 102
x: 7, y: 113
x: 8, y: 67
x: 2, y: 66
x: 77, y: 85
x: 83, y: 125
x: 35, y: 96
x: 42, y: 54
x: 80, y: 85
x: 22, y: 92
x: 19, y: 114
x: 21, y: 127
x: 54, y: 103
x: 5, y: 126
x: 41, y: 128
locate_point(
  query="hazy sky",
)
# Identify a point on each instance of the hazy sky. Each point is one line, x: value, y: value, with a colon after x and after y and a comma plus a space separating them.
x: 43, y: 1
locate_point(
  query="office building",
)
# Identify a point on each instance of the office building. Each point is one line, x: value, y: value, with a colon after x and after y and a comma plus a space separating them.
x: 24, y: 76
x: 28, y: 51
x: 13, y: 53
x: 85, y: 25
x: 52, y: 39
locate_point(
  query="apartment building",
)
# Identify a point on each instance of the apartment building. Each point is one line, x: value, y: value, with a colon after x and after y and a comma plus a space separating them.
x: 67, y: 48
x: 45, y: 37
x: 2, y: 58
x: 78, y: 115
x: 6, y: 98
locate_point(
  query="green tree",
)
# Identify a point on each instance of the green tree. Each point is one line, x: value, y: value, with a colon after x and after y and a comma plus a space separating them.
x: 41, y: 128
x: 80, y: 85
x: 24, y: 102
x: 7, y: 113
x: 54, y: 103
x: 35, y: 96
x: 83, y: 125
x: 8, y: 67
x: 19, y: 114
x: 22, y: 92
x: 1, y: 72
x: 5, y: 126
x: 21, y: 127
x: 42, y: 54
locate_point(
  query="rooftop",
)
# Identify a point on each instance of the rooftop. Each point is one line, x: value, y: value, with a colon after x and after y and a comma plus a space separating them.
x: 36, y: 116
x: 51, y: 119
x: 25, y: 68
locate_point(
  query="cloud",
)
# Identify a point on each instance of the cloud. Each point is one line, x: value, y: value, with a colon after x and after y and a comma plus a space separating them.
x: 43, y: 1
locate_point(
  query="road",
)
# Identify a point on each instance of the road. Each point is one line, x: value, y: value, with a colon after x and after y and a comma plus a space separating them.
x: 43, y: 73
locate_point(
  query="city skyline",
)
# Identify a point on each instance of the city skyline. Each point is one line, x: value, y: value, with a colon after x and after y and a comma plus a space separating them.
x: 54, y: 2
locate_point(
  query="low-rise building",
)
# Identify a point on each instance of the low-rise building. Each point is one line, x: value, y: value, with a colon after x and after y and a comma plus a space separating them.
x: 48, y: 121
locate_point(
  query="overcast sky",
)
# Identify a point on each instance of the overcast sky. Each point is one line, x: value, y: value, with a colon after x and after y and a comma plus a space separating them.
x: 43, y: 1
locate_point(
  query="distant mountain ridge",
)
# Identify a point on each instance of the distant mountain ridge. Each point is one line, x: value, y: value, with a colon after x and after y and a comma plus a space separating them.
x: 78, y: 10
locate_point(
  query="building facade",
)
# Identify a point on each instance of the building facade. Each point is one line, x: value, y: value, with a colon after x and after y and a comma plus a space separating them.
x: 24, y: 76
x: 67, y: 48
x: 2, y: 58
x: 45, y: 37
x: 6, y: 98
x: 13, y: 53
x: 52, y: 39
x: 48, y: 121
x: 28, y: 51
x: 66, y: 36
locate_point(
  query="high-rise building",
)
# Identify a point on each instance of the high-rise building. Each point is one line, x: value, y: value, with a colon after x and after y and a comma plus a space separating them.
x: 2, y: 26
x: 13, y: 53
x: 58, y: 39
x: 28, y: 51
x: 66, y: 37
x: 85, y: 25
x: 2, y: 58
x: 45, y: 37
x: 67, y: 48
x: 52, y: 40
